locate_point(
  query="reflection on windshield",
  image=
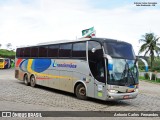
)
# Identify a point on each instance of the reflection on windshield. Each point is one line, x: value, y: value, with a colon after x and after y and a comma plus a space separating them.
x: 124, y: 72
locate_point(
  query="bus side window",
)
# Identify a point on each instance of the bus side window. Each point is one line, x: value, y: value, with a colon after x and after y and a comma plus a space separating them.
x: 96, y: 60
x: 21, y: 52
x: 65, y: 50
x: 27, y: 52
x: 18, y: 52
x: 79, y: 50
x: 43, y: 51
x: 34, y: 51
x: 53, y: 51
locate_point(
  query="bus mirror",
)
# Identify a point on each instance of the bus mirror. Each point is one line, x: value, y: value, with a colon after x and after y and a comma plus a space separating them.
x: 93, y: 50
x: 136, y: 60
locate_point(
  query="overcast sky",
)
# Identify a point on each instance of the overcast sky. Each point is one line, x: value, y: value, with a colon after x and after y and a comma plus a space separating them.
x: 28, y: 22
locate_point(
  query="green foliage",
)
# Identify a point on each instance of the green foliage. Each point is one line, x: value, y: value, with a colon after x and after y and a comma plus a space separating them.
x: 146, y: 76
x: 155, y: 67
x: 141, y: 78
x: 150, y: 45
x: 158, y: 80
x: 141, y: 68
x: 148, y: 80
x: 7, y: 53
x: 153, y: 76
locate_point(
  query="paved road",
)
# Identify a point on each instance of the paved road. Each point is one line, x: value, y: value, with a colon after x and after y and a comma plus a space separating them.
x: 14, y: 95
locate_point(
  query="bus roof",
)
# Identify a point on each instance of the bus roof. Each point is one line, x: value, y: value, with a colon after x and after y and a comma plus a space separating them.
x: 101, y: 40
x: 63, y: 41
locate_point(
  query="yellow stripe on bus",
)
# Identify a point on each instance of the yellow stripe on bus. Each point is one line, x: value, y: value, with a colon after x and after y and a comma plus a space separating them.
x: 30, y: 61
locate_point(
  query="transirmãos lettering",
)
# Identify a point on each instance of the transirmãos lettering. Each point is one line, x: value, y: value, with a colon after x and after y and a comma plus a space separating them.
x: 65, y: 65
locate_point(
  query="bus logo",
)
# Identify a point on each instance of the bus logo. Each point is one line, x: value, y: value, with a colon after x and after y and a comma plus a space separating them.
x: 66, y: 65
x: 54, y: 64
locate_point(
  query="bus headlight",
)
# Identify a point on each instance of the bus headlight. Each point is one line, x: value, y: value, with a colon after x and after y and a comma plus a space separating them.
x: 113, y: 91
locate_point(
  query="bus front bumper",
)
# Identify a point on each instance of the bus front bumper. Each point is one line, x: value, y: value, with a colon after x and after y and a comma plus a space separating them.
x: 122, y: 96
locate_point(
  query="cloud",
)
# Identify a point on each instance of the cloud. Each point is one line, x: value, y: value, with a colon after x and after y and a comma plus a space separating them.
x: 38, y: 21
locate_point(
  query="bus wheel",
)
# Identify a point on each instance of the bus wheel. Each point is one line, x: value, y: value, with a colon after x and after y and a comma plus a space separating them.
x: 81, y: 92
x: 26, y: 82
x: 33, y: 81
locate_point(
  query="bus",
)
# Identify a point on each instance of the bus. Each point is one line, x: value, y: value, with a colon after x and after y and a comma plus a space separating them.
x: 5, y: 63
x: 99, y: 68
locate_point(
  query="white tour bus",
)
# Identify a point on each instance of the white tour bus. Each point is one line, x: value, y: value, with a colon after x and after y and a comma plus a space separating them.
x: 91, y: 67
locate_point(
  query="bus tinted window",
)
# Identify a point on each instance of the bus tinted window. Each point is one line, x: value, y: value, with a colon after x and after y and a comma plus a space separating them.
x: 18, y: 52
x: 79, y: 50
x: 119, y: 50
x: 96, y: 60
x: 34, y: 52
x: 43, y: 51
x: 65, y: 50
x: 1, y: 60
x: 27, y: 52
x: 53, y: 51
x: 21, y: 52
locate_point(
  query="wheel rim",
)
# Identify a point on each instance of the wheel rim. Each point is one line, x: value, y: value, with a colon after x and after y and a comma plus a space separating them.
x: 82, y: 91
x: 26, y: 80
x: 32, y: 81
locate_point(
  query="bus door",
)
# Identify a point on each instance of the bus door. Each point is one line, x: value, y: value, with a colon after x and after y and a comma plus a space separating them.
x: 97, y: 68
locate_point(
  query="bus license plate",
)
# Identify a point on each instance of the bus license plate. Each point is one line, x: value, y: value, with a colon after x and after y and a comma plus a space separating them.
x: 126, y: 97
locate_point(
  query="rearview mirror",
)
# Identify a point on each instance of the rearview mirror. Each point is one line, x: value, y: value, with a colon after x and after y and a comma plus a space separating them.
x: 93, y: 50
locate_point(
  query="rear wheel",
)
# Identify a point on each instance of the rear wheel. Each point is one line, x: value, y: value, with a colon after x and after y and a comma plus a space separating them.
x: 26, y: 82
x: 33, y: 81
x: 81, y: 92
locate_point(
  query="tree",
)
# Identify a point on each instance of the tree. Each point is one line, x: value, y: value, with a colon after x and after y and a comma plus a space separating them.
x: 150, y: 45
x: 0, y: 45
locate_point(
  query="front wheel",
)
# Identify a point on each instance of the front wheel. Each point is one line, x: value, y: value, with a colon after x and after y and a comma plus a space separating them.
x: 81, y: 92
x: 33, y: 81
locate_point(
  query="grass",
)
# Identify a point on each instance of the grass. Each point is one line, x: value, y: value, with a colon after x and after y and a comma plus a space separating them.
x: 151, y: 81
x: 7, y: 53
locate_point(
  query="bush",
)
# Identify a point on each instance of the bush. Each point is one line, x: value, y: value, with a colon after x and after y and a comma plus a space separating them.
x: 158, y: 80
x: 156, y: 68
x: 146, y: 76
x: 153, y: 76
x: 141, y: 67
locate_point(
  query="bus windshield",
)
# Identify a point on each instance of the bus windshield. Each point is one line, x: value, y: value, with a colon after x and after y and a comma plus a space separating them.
x: 1, y: 60
x: 124, y: 72
x: 119, y: 50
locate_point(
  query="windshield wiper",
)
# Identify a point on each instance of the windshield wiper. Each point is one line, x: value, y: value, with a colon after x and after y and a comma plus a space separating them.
x: 132, y: 76
x: 129, y: 75
x: 125, y: 71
